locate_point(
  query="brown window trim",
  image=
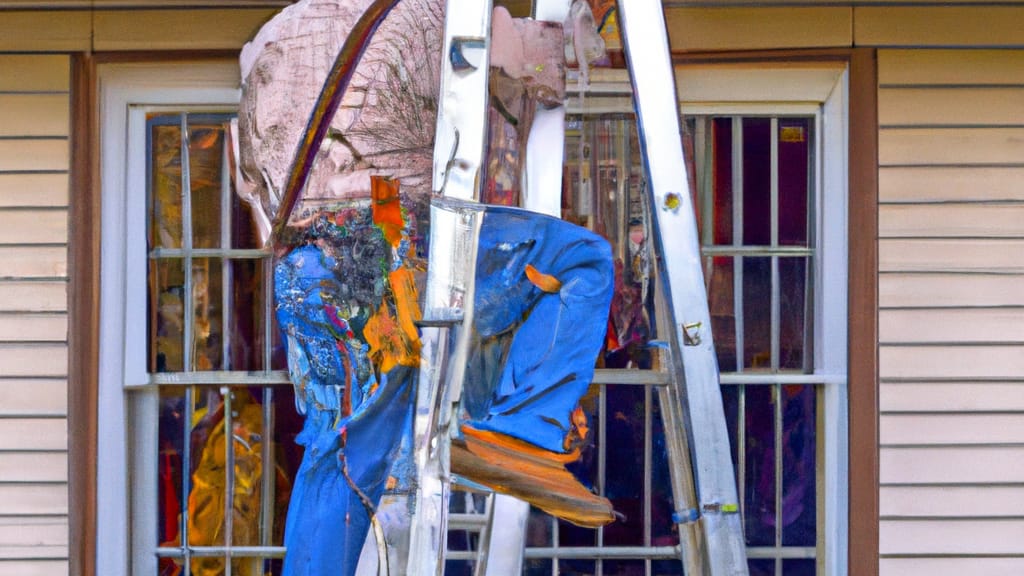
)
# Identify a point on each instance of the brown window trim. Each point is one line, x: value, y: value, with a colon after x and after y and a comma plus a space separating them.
x: 863, y: 283
x: 84, y: 290
x: 84, y: 251
x: 83, y: 316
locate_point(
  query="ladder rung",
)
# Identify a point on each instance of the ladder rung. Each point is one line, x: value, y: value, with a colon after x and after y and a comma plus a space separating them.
x: 471, y: 522
x: 631, y: 377
x: 448, y: 322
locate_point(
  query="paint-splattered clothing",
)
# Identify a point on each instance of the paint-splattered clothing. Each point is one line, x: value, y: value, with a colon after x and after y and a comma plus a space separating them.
x: 346, y: 302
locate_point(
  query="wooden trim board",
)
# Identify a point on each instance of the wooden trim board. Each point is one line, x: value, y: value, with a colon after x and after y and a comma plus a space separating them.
x: 84, y: 316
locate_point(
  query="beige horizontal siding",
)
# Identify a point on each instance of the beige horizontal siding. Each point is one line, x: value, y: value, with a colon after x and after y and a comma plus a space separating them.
x: 951, y: 465
x: 26, y: 533
x: 26, y: 296
x: 951, y: 184
x: 952, y: 362
x: 950, y: 146
x: 34, y: 158
x: 34, y: 155
x: 151, y: 29
x: 33, y: 567
x: 951, y: 326
x: 951, y: 566
x: 758, y: 28
x: 33, y: 434
x: 24, y: 262
x: 34, y: 115
x: 41, y: 31
x: 938, y: 290
x: 950, y: 429
x: 170, y: 29
x: 33, y: 190
x: 951, y: 106
x: 992, y: 220
x: 33, y: 397
x: 35, y: 73
x: 963, y: 397
x: 24, y: 327
x: 940, y: 26
x: 951, y: 67
x: 958, y: 501
x: 951, y: 255
x: 951, y: 292
x: 40, y: 226
x: 39, y: 467
x: 29, y: 499
x: 951, y: 537
x: 33, y: 360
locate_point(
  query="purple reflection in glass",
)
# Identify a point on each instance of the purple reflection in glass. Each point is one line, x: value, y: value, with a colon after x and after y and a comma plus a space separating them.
x: 757, y: 181
x: 794, y: 180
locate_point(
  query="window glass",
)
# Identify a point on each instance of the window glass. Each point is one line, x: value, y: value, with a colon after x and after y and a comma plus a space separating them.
x: 215, y: 355
x: 753, y: 178
x: 227, y: 453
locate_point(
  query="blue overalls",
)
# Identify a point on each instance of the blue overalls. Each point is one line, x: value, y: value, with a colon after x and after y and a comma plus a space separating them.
x: 532, y: 360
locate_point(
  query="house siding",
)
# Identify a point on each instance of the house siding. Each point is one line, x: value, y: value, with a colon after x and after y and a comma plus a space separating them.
x: 951, y: 253
x: 34, y: 124
x: 951, y: 286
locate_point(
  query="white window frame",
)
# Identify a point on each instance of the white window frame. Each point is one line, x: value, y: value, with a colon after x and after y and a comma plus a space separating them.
x: 127, y: 92
x: 819, y: 89
x: 823, y: 91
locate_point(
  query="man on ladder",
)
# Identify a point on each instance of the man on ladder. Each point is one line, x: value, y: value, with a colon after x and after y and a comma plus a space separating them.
x: 514, y: 384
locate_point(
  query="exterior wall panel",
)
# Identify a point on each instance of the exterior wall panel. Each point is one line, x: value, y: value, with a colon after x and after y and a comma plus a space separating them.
x: 940, y: 290
x: 33, y: 568
x: 939, y: 26
x: 951, y: 286
x: 34, y: 157
x: 952, y: 566
x: 700, y: 29
x: 177, y: 29
x: 957, y: 184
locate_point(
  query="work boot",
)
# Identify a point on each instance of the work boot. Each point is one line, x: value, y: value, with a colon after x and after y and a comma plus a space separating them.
x: 511, y: 466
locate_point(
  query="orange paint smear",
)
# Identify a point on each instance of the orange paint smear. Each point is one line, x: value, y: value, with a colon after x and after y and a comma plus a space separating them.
x: 387, y: 210
x: 516, y: 445
x: 579, y: 422
x: 511, y: 466
x: 403, y: 286
x: 393, y: 338
x: 545, y: 282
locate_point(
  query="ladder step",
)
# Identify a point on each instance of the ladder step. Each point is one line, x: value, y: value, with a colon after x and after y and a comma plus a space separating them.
x: 631, y: 377
x: 449, y: 321
x: 469, y: 522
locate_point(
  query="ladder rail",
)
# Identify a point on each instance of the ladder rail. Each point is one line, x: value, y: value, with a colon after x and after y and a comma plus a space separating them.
x: 545, y: 149
x: 694, y: 364
x: 459, y: 146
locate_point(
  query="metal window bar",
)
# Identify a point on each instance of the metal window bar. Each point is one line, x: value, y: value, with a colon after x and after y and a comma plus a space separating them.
x: 188, y: 311
x: 201, y: 382
x: 773, y: 377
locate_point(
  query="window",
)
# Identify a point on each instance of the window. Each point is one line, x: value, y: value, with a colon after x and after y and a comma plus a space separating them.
x: 185, y: 358
x: 226, y: 452
x: 188, y: 422
x: 770, y: 182
x: 756, y: 182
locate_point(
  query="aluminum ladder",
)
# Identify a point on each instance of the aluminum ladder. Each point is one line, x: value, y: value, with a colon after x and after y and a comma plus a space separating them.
x: 703, y: 480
